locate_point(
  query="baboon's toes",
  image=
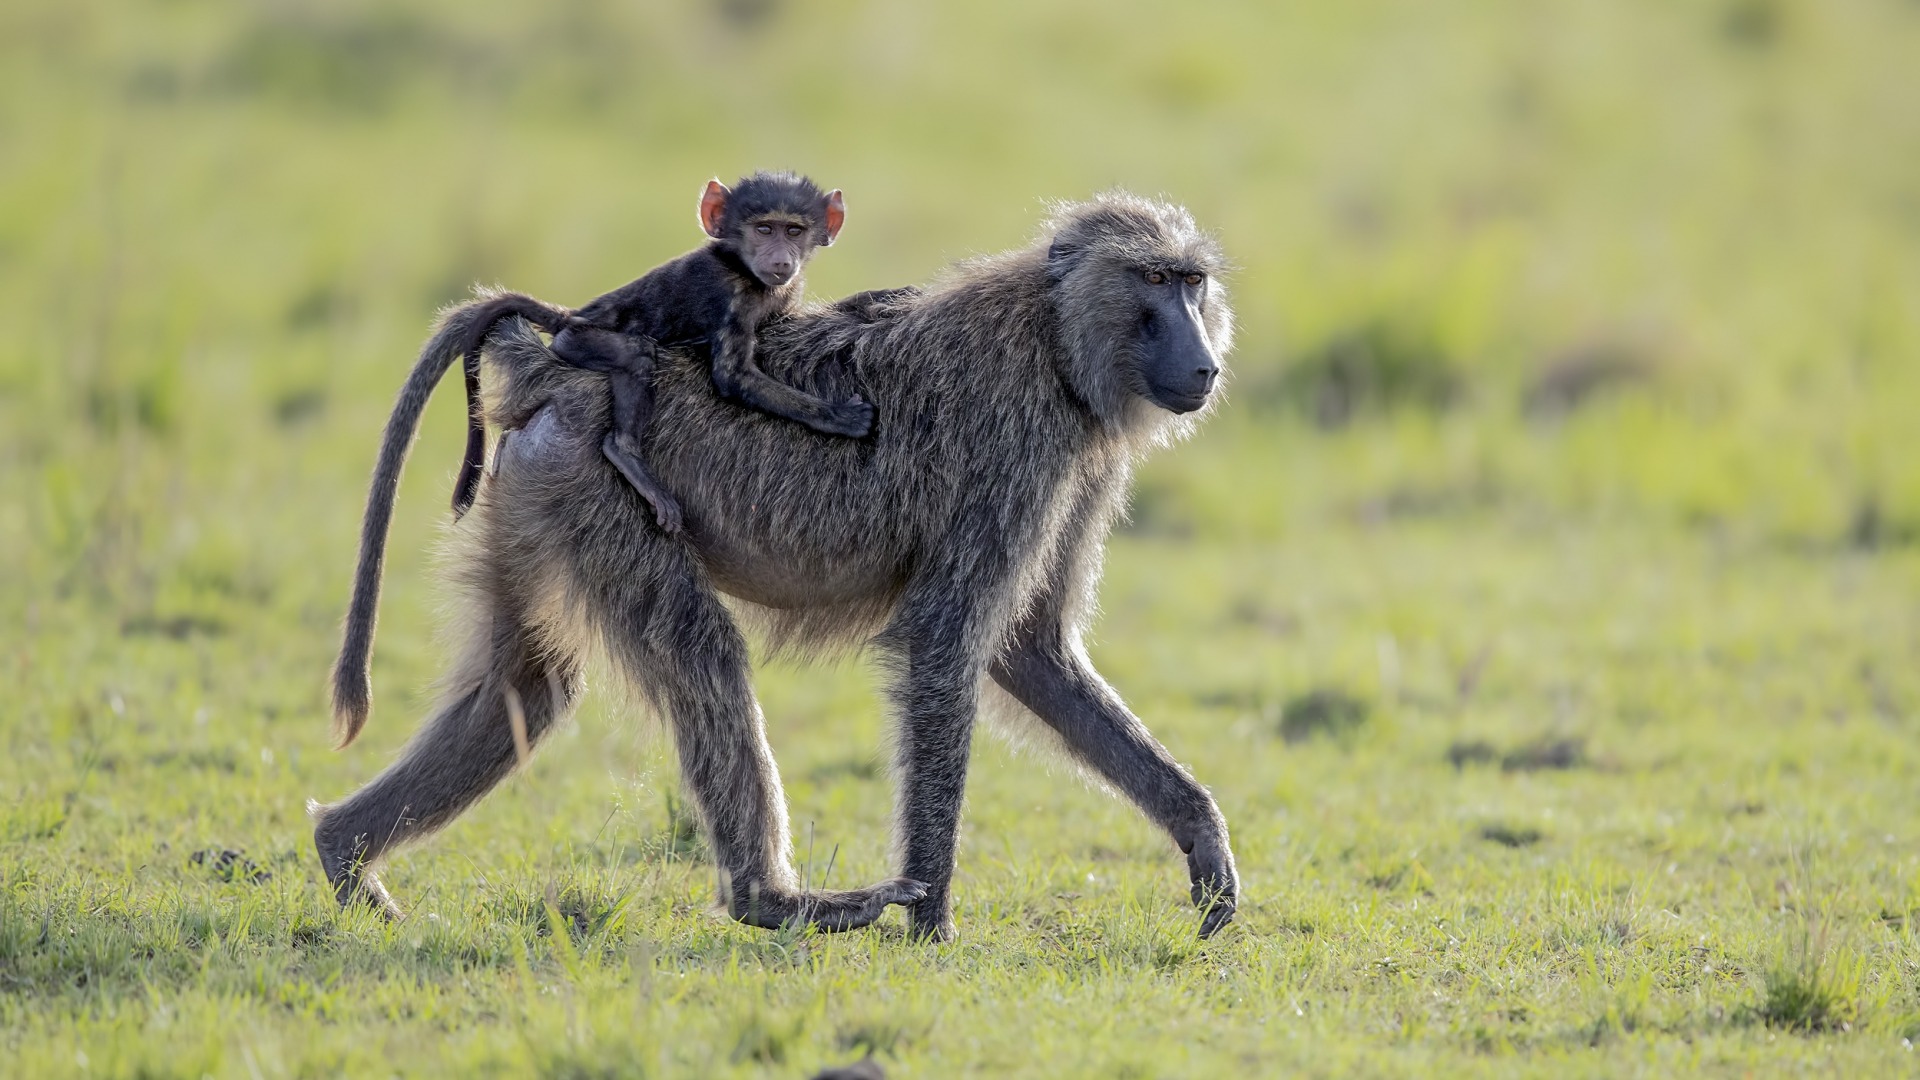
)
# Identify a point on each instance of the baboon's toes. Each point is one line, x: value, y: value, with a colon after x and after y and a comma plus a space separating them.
x: 934, y: 926
x: 1217, y: 916
x: 375, y: 895
x: 1216, y: 885
x: 856, y: 908
x: 903, y: 891
x: 366, y: 890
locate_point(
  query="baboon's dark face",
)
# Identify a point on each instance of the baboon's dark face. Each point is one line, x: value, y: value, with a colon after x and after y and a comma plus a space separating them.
x: 1177, y: 362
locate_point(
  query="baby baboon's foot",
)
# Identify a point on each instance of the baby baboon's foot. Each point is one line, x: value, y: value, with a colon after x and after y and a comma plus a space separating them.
x: 625, y: 457
x: 829, y: 911
x: 852, y: 418
x: 666, y: 512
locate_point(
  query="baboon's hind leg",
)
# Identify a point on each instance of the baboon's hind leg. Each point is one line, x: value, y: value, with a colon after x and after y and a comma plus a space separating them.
x: 469, y: 745
x: 679, y: 643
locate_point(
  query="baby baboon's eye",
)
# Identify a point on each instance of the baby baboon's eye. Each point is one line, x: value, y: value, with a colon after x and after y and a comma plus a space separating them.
x: 794, y: 230
x: 1155, y: 277
x: 763, y: 230
x: 1196, y: 279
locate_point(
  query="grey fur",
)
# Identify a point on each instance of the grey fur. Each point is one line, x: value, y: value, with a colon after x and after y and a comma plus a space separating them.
x: 761, y: 235
x: 962, y: 541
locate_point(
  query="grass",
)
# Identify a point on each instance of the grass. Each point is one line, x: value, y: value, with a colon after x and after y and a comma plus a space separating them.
x: 1540, y: 605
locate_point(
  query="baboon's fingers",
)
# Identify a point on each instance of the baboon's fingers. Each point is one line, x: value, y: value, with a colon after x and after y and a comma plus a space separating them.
x: 1216, y: 887
x: 930, y: 920
x: 1217, y: 916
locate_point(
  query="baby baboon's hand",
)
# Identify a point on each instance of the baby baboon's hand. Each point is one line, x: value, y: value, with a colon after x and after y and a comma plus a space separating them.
x: 852, y: 418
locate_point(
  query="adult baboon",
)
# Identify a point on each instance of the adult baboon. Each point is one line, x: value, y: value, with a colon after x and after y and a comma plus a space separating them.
x: 962, y: 541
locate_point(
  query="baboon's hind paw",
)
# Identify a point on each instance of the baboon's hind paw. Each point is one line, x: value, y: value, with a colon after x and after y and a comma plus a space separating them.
x: 856, y: 908
x: 828, y: 911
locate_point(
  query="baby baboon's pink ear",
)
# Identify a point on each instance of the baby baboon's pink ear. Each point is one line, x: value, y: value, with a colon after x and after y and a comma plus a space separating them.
x: 713, y: 203
x: 836, y: 214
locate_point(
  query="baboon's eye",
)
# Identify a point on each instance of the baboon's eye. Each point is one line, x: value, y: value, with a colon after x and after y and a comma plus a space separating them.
x: 763, y: 230
x: 794, y: 230
x: 1196, y: 279
x: 1155, y: 277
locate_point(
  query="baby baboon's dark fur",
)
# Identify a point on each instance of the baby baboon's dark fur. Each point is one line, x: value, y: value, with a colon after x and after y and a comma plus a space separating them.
x: 962, y: 541
x: 762, y: 232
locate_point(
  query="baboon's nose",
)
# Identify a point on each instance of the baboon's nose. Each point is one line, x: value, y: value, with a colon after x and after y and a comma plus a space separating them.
x: 1206, y: 374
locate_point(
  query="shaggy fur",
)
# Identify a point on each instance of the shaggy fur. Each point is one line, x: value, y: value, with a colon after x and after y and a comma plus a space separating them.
x: 962, y: 541
x: 715, y: 296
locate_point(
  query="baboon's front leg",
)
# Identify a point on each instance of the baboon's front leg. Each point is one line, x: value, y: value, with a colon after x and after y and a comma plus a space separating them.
x: 1061, y: 688
x: 680, y: 644
x: 936, y: 702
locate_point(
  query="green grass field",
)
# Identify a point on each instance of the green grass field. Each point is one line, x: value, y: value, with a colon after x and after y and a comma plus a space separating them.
x: 1542, y: 607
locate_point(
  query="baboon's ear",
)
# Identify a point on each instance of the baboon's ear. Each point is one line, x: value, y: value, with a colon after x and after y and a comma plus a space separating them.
x: 1062, y: 257
x: 713, y: 203
x: 836, y: 215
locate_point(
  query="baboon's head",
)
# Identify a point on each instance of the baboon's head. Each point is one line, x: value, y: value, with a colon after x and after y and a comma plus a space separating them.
x: 1144, y: 315
x: 773, y: 221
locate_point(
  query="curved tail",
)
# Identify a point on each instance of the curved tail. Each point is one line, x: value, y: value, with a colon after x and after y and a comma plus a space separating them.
x: 491, y: 311
x: 463, y: 330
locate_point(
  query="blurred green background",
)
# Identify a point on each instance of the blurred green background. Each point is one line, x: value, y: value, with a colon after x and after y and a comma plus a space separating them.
x: 1573, y: 405
x: 1645, y: 260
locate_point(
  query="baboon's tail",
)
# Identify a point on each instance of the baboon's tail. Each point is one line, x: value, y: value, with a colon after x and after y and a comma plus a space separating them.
x: 492, y: 310
x: 462, y: 331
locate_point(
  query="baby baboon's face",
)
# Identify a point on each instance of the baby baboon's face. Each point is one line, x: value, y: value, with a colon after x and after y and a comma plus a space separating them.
x: 775, y: 247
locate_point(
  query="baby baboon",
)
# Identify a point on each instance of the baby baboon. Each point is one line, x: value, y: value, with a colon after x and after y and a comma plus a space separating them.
x: 763, y: 231
x: 962, y: 541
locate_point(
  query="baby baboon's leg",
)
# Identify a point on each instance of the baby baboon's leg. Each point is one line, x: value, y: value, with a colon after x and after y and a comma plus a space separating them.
x: 677, y: 641
x: 632, y: 412
x: 627, y: 360
x: 469, y: 745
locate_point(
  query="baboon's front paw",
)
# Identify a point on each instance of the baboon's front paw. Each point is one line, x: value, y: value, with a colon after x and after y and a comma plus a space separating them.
x: 931, y: 919
x: 852, y: 418
x: 1216, y: 885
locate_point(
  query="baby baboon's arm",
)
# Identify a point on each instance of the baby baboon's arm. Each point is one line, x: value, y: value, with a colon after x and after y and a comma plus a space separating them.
x: 738, y: 378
